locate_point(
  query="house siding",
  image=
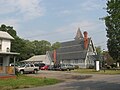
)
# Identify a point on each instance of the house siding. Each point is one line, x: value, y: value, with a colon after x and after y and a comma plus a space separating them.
x: 79, y: 63
x: 5, y: 44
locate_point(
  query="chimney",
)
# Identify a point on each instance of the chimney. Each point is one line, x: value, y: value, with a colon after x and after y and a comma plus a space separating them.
x: 54, y: 56
x: 85, y: 40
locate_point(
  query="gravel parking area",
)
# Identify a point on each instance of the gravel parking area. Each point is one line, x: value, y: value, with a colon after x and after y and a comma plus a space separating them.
x: 62, y: 75
x: 75, y: 81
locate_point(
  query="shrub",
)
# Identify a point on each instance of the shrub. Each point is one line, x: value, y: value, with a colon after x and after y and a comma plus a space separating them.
x: 76, y: 67
x: 91, y: 67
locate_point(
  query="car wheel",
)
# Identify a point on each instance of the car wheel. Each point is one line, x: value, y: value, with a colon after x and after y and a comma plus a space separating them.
x: 21, y: 72
x: 35, y: 71
x: 68, y: 69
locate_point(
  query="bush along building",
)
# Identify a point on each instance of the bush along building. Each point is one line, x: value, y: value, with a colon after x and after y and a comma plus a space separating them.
x: 80, y: 52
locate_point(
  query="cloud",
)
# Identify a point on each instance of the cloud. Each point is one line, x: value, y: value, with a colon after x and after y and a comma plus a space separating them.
x: 65, y: 12
x: 87, y: 25
x: 84, y: 25
x: 30, y: 8
x: 92, y: 27
x: 90, y: 5
x: 25, y: 9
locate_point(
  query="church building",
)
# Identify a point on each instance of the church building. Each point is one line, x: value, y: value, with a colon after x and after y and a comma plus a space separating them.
x: 80, y: 51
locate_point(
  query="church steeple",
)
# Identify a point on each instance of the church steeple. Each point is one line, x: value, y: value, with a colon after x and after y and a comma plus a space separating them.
x: 78, y: 35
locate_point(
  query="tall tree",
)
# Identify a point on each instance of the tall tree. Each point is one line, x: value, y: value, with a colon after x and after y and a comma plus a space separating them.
x: 3, y: 27
x: 112, y: 22
x: 55, y: 45
x: 98, y: 50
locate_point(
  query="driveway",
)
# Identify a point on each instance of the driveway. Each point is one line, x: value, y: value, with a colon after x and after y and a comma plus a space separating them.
x: 75, y: 81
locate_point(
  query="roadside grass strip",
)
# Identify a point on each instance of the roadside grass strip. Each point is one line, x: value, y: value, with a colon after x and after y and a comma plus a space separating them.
x: 25, y: 82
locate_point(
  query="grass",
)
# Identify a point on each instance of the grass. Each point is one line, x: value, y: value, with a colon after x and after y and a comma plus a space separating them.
x: 92, y: 71
x: 25, y: 82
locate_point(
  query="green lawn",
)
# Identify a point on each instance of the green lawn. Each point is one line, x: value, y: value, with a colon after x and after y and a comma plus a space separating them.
x: 25, y: 82
x: 92, y: 71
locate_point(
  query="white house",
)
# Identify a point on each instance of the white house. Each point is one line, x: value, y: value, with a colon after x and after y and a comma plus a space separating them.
x: 5, y: 54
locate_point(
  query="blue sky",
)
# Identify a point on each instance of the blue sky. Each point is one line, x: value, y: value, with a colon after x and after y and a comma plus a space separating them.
x: 55, y: 20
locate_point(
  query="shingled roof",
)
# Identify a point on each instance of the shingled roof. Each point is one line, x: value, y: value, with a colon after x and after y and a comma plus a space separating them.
x: 72, y: 50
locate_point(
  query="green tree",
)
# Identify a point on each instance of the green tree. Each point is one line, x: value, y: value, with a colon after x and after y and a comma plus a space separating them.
x: 55, y: 45
x: 36, y: 47
x: 3, y: 28
x: 98, y: 50
x: 11, y: 31
x: 45, y: 46
x: 112, y: 22
x: 40, y: 47
x: 18, y: 45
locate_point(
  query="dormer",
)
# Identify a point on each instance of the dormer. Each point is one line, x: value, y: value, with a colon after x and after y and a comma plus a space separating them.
x: 5, y: 41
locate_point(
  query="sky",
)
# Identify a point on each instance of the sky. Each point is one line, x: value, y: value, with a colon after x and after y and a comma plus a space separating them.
x: 55, y: 20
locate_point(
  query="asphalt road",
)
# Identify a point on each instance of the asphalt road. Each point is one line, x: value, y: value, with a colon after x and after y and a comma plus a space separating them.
x: 96, y: 82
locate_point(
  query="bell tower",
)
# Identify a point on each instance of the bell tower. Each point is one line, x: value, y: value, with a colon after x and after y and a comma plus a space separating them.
x: 78, y: 35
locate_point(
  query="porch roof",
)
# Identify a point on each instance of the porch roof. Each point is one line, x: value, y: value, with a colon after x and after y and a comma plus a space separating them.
x: 9, y: 53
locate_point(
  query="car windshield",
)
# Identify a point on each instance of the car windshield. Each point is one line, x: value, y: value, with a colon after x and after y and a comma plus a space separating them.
x: 62, y: 64
x: 22, y: 65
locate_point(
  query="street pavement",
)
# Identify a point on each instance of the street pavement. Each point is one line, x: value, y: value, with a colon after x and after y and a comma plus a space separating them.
x: 96, y: 82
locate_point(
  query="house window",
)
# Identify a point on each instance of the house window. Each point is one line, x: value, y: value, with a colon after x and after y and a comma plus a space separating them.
x: 0, y: 44
x: 76, y: 61
x: 1, y: 61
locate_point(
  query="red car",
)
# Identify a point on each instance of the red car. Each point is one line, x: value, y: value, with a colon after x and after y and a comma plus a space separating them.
x: 44, y: 67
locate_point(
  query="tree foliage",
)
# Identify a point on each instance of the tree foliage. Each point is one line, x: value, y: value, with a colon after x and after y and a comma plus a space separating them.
x: 55, y: 45
x: 112, y: 22
x: 98, y: 50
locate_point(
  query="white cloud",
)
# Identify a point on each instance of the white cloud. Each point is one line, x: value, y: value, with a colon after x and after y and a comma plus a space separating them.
x: 65, y: 12
x: 89, y: 5
x: 94, y: 28
x: 84, y: 25
x: 27, y: 9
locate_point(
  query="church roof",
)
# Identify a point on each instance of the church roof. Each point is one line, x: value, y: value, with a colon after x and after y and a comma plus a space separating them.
x: 72, y: 50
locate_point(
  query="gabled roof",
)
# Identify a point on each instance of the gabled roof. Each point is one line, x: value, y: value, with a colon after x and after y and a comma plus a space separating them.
x: 36, y: 58
x: 5, y: 35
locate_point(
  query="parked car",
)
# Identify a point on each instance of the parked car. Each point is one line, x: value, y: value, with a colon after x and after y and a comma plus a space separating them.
x: 51, y: 67
x: 66, y: 67
x: 39, y: 65
x: 61, y: 67
x: 45, y: 67
x: 12, y: 64
x: 27, y: 68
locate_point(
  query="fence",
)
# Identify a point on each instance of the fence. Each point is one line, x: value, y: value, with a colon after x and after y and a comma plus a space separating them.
x: 6, y: 70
